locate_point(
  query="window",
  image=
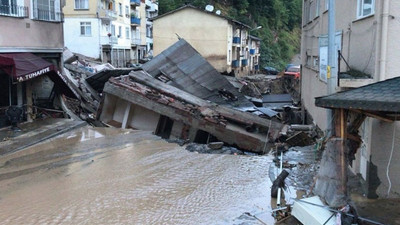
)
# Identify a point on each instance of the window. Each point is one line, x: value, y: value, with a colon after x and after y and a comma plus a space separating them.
x: 113, y: 30
x: 48, y: 10
x: 126, y: 11
x: 86, y: 29
x: 317, y: 3
x: 119, y: 31
x: 120, y: 9
x: 327, y: 4
x: 365, y: 8
x: 81, y: 4
x: 127, y: 31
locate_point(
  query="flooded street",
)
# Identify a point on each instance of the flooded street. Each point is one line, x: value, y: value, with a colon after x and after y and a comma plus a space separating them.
x: 111, y: 176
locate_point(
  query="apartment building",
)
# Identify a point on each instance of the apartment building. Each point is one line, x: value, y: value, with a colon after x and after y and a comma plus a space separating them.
x: 31, y: 45
x: 142, y: 11
x: 366, y: 36
x: 100, y: 29
x: 225, y: 43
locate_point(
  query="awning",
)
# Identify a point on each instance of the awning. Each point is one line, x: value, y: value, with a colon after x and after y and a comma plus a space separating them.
x: 24, y: 66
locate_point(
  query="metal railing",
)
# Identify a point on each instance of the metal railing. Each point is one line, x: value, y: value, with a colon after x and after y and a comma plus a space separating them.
x: 48, y: 15
x: 14, y: 11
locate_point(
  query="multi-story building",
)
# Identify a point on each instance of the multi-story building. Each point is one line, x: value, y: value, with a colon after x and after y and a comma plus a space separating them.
x: 366, y: 36
x: 99, y: 29
x: 142, y: 11
x: 225, y: 43
x: 31, y: 45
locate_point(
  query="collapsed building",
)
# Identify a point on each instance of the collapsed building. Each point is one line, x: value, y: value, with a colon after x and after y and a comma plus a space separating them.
x: 180, y: 95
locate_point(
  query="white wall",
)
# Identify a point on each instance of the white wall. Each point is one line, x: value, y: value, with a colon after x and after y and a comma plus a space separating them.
x: 86, y: 45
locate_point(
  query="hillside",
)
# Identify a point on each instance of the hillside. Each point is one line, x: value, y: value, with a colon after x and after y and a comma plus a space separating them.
x: 280, y: 21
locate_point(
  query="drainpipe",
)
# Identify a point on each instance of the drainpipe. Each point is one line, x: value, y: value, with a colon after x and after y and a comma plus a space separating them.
x: 385, y: 21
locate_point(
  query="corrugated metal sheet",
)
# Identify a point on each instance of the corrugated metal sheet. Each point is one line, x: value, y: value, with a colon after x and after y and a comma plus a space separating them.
x: 98, y: 80
x: 190, y: 72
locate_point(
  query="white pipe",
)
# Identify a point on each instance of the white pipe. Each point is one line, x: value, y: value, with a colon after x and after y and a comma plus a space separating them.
x: 385, y: 21
x: 278, y: 203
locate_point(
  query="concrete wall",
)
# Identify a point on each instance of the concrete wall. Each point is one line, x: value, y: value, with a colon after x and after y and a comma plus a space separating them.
x: 382, y: 144
x: 143, y: 119
x: 208, y: 34
x: 70, y: 11
x: 358, y: 48
x: 40, y: 35
x: 86, y: 45
x: 361, y: 42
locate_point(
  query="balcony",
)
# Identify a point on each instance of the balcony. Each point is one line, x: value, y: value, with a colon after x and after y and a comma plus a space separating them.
x: 235, y: 63
x: 252, y: 51
x: 135, y: 41
x: 245, y: 62
x: 135, y: 2
x: 256, y: 67
x: 48, y: 15
x: 135, y: 21
x: 236, y: 40
x: 14, y: 11
x: 107, y: 15
x: 108, y: 40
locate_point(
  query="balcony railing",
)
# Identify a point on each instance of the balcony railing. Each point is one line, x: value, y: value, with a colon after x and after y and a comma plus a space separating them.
x: 252, y: 51
x: 14, y: 11
x: 48, y: 15
x: 135, y: 21
x: 235, y: 63
x: 135, y: 2
x: 108, y: 15
x: 236, y: 40
x: 244, y: 62
x: 135, y: 41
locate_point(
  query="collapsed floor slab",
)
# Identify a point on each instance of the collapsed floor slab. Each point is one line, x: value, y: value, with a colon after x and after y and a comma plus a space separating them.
x: 140, y: 101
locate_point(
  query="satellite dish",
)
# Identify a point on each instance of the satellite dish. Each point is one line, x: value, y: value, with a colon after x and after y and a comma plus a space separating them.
x: 218, y: 12
x: 209, y: 8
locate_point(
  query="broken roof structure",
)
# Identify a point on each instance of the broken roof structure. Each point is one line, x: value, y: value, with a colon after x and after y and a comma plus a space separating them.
x: 140, y: 101
x: 183, y: 67
x: 380, y: 100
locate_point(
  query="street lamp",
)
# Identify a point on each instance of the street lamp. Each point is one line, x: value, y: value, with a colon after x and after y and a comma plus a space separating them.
x: 259, y: 27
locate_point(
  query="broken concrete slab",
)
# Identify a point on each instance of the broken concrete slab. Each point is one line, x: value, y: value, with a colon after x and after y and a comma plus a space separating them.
x: 142, y: 102
x: 311, y: 211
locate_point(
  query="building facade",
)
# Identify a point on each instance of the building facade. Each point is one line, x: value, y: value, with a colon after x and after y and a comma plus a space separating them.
x: 223, y: 42
x: 32, y: 32
x: 99, y: 29
x: 366, y: 34
x: 142, y: 11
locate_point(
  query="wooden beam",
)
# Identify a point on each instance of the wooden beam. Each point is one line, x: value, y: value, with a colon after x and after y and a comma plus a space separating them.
x: 378, y: 116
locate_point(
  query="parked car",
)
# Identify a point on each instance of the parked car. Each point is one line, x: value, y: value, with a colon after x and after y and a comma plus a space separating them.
x: 293, y: 71
x: 270, y: 70
x: 288, y: 66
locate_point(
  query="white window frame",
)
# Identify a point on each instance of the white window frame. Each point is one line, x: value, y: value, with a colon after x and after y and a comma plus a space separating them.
x: 48, y: 11
x: 82, y: 4
x: 327, y: 5
x: 87, y: 29
x: 127, y: 32
x: 120, y: 32
x: 317, y: 8
x: 127, y: 14
x: 120, y: 9
x: 112, y: 29
x: 360, y: 8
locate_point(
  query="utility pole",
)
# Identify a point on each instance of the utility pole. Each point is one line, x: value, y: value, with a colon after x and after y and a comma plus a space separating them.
x: 331, y: 76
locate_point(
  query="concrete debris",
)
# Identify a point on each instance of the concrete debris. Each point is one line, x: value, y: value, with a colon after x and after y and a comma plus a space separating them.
x: 146, y: 103
x: 202, y: 148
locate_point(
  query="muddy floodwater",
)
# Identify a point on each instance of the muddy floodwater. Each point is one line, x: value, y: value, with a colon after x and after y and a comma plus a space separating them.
x: 111, y: 176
